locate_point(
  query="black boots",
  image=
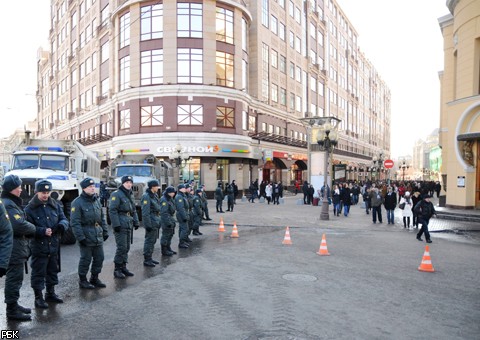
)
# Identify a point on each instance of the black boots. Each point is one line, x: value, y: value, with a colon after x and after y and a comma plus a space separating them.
x: 22, y: 309
x: 117, y: 273
x: 50, y: 295
x: 170, y: 250
x: 39, y: 301
x: 15, y: 313
x: 166, y: 251
x: 94, y: 280
x: 148, y: 262
x: 125, y: 271
x: 183, y: 245
x: 84, y: 284
x: 197, y: 232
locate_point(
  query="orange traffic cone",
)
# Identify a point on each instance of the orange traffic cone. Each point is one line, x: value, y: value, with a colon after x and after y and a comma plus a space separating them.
x: 426, y: 265
x: 286, y: 239
x: 221, y: 227
x: 323, y: 247
x: 235, y: 230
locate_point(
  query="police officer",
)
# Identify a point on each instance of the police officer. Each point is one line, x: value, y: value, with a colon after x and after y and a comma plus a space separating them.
x: 230, y: 197
x: 197, y: 212
x: 167, y: 210
x: 50, y: 222
x: 20, y: 252
x: 182, y: 207
x: 151, y: 221
x: 205, y: 204
x: 124, y: 218
x: 189, y: 197
x: 87, y: 221
x: 219, y: 197
x: 6, y: 240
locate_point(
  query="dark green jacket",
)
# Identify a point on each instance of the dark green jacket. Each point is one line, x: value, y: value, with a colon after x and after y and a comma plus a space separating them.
x: 22, y: 229
x: 122, y: 209
x: 87, y: 220
x: 197, y: 206
x: 182, y: 207
x: 150, y: 210
x: 6, y: 237
x: 167, y: 210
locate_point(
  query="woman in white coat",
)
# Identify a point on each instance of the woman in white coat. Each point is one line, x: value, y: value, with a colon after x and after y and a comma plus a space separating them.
x: 268, y: 192
x: 407, y: 210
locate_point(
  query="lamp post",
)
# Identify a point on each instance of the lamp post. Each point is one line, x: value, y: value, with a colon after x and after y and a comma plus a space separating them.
x: 179, y: 157
x: 327, y: 139
x: 403, y: 167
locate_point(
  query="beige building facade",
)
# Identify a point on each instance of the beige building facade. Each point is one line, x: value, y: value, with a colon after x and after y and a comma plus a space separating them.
x: 228, y: 80
x: 460, y: 104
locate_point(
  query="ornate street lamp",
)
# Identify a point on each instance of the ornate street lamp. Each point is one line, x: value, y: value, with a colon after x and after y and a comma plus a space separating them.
x: 179, y: 157
x: 327, y: 139
x: 403, y: 167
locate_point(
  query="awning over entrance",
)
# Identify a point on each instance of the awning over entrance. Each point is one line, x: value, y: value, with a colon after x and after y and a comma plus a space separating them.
x: 468, y: 136
x: 301, y: 165
x: 279, y: 164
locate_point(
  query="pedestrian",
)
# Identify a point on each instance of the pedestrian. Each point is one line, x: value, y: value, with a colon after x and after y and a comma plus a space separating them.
x: 205, y: 203
x: 336, y: 200
x: 182, y: 209
x: 415, y: 199
x: 310, y: 192
x: 366, y: 199
x: 390, y: 204
x: 235, y: 191
x: 407, y: 213
x: 104, y: 194
x: 438, y: 188
x: 305, y: 193
x: 151, y: 221
x: 346, y: 198
x: 355, y: 193
x: 167, y: 211
x: 278, y: 193
x: 297, y: 187
x: 425, y: 210
x: 376, y: 200
x: 124, y: 218
x: 268, y: 192
x: 197, y: 212
x: 50, y: 222
x: 89, y: 226
x: 253, y: 192
x: 263, y: 185
x: 219, y: 197
x: 189, y: 197
x: 230, y: 197
x: 22, y: 229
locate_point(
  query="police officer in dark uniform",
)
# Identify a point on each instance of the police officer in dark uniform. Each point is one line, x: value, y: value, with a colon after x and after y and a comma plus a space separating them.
x: 197, y: 212
x: 87, y: 221
x: 50, y: 222
x: 182, y: 207
x: 22, y: 229
x: 167, y: 210
x: 230, y: 197
x: 205, y: 204
x: 124, y: 218
x: 151, y: 221
x: 219, y: 197
x: 6, y: 240
x: 189, y: 196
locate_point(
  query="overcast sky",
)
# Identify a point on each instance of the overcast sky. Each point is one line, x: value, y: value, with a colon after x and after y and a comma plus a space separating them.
x: 401, y: 38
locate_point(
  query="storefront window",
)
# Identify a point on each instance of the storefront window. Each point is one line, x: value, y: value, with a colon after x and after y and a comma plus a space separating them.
x: 222, y: 170
x: 190, y: 171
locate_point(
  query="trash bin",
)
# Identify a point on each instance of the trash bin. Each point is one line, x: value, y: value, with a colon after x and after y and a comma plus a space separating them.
x: 315, y: 201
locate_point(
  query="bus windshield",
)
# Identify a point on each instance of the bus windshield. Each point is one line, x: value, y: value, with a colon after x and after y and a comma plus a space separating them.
x: 47, y: 162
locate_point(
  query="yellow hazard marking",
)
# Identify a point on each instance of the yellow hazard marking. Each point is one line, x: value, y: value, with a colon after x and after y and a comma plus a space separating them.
x: 17, y: 216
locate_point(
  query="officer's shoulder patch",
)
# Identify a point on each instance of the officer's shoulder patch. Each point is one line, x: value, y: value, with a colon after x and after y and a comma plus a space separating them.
x: 180, y: 200
x: 73, y: 209
x: 145, y: 202
x: 7, y: 217
x: 164, y: 203
x: 17, y: 216
x: 113, y: 198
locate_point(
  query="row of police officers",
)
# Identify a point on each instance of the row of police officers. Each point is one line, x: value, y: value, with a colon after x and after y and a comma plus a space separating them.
x: 35, y: 232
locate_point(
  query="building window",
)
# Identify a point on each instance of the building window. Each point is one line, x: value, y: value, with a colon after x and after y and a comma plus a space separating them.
x: 274, y: 59
x: 222, y: 170
x: 244, y: 34
x: 124, y: 30
x: 190, y: 115
x: 281, y: 31
x: 189, y: 20
x: 224, y: 25
x: 151, y: 115
x: 124, y: 73
x: 225, y: 116
x: 283, y: 96
x: 105, y: 87
x: 224, y: 68
x: 190, y: 65
x: 252, y: 123
x: 265, y: 73
x: 265, y: 15
x: 152, y: 22
x: 125, y: 119
x: 244, y: 120
x: 105, y: 52
x: 283, y: 64
x: 152, y: 67
x: 274, y: 25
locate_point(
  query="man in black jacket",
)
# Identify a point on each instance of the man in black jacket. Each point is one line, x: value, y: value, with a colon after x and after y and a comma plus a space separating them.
x: 50, y: 221
x: 424, y: 210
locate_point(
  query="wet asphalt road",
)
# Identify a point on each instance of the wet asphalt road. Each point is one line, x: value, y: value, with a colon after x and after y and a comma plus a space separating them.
x: 254, y: 287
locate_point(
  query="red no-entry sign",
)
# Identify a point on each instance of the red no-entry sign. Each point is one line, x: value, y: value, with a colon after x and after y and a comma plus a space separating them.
x: 388, y: 164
